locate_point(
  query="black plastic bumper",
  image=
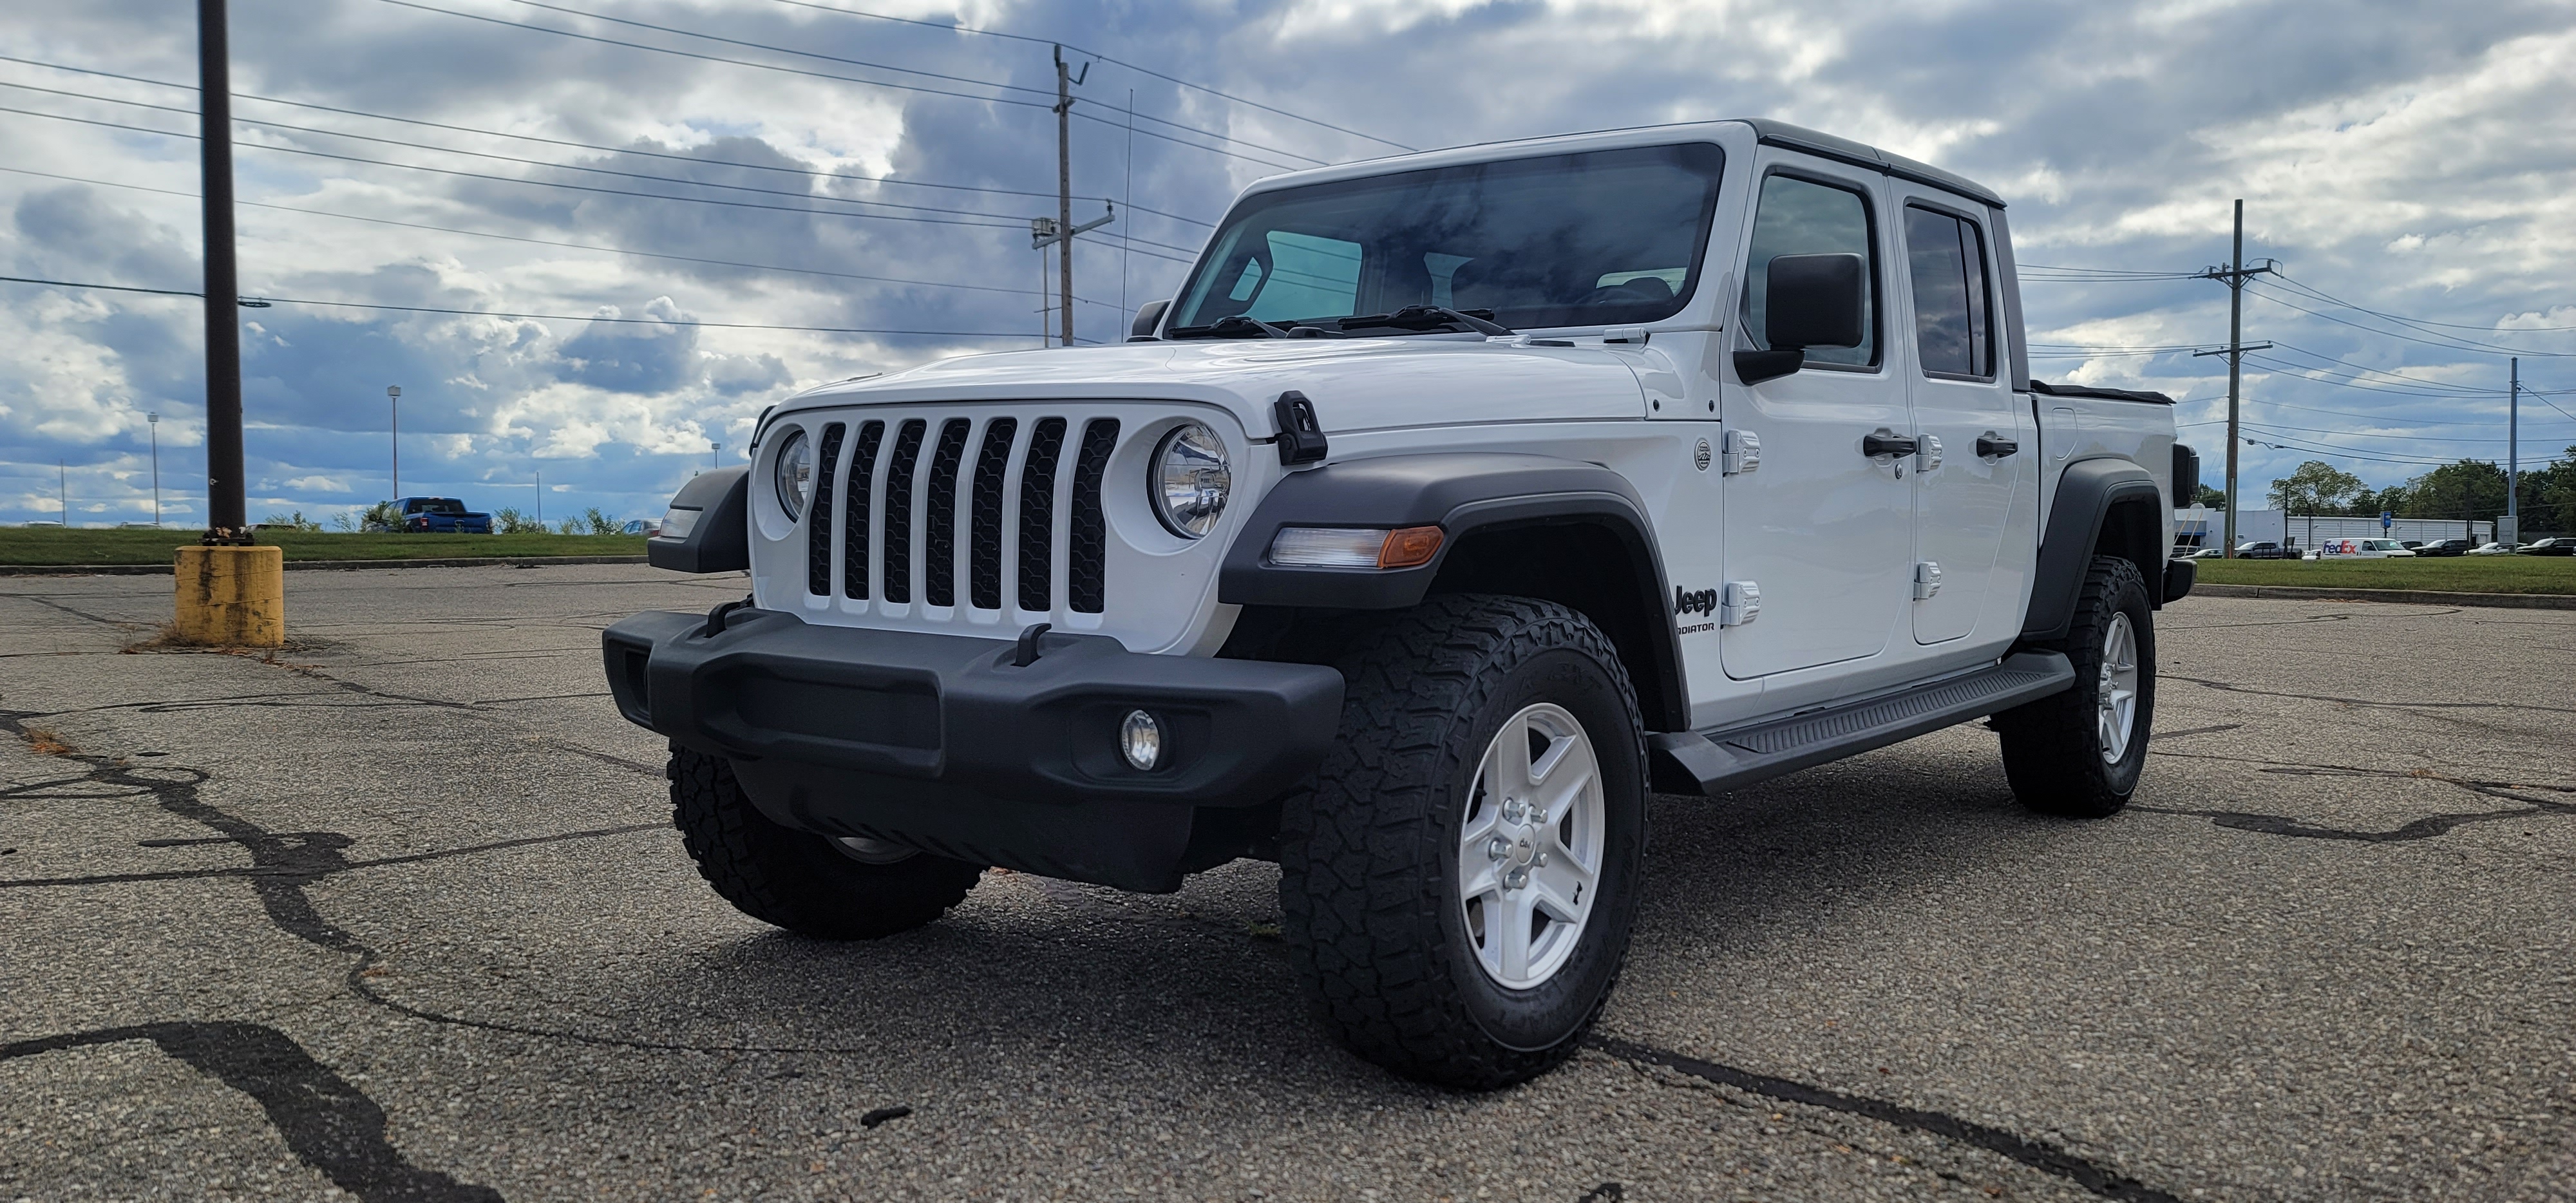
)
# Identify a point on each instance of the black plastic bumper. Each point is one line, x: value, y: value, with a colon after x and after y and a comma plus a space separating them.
x: 2179, y: 576
x: 942, y: 743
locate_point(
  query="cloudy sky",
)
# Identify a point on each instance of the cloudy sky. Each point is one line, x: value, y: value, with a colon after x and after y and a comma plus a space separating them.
x: 703, y: 205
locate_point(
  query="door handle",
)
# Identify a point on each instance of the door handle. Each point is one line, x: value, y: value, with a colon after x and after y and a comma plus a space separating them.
x: 1993, y: 446
x: 1885, y: 442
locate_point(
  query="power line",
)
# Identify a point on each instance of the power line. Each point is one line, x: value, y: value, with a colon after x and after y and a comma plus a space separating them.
x: 2457, y: 344
x: 1173, y: 79
x: 578, y: 246
x: 477, y: 175
x: 687, y: 33
x: 545, y: 317
x: 2331, y: 299
x: 590, y: 146
x: 849, y: 79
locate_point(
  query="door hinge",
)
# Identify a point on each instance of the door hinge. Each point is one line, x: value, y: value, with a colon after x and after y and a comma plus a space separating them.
x: 1739, y: 603
x: 1743, y: 452
x: 1929, y: 456
x: 1927, y: 580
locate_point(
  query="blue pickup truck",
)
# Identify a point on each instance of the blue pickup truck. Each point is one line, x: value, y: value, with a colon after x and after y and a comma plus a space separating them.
x: 441, y: 516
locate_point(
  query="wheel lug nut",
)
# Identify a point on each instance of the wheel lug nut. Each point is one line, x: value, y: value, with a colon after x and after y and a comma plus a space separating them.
x: 1539, y: 861
x: 1497, y: 848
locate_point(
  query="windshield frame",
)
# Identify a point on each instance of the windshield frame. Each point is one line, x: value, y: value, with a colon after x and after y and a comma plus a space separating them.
x: 1248, y: 206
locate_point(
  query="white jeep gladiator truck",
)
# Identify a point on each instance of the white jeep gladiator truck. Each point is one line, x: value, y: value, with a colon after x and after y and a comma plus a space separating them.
x: 1455, y: 502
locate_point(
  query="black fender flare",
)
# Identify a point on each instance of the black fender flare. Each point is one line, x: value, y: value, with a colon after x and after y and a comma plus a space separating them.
x: 720, y: 540
x: 1463, y: 493
x: 2086, y: 493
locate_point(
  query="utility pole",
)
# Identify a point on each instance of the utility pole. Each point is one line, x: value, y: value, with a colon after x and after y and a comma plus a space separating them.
x: 717, y: 453
x: 2234, y: 276
x: 393, y: 403
x: 225, y: 504
x: 541, y: 500
x: 153, y: 421
x: 63, y: 490
x: 1064, y: 183
x: 2513, y: 458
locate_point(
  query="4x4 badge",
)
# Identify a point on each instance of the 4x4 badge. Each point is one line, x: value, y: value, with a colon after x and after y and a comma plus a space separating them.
x: 1700, y: 458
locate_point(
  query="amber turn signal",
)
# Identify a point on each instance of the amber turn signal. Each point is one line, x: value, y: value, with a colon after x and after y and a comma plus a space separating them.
x: 1411, y: 546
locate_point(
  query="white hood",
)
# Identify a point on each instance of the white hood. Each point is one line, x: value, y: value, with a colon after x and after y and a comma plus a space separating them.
x: 1355, y: 384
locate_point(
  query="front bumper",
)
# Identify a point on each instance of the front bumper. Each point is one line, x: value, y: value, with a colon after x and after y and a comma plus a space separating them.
x: 942, y: 743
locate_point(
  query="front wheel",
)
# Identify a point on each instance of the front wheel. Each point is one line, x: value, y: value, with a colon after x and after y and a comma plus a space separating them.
x: 1459, y: 887
x: 2079, y: 753
x: 813, y: 885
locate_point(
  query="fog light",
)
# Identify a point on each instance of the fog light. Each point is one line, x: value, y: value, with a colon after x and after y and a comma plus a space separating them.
x: 1140, y: 738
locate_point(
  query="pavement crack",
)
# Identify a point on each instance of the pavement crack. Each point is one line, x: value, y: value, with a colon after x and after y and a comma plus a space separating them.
x: 2231, y: 687
x: 329, y: 1124
x: 2424, y: 828
x: 2038, y: 1155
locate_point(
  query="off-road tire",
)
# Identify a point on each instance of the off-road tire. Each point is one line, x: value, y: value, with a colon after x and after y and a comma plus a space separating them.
x: 1370, y: 909
x: 2053, y: 747
x: 794, y: 879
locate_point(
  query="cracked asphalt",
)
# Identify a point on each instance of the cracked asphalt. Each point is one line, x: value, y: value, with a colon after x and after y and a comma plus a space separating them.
x: 400, y: 916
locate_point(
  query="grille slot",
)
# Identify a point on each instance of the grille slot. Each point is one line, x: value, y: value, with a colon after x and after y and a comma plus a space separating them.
x: 897, y: 565
x: 1037, y: 515
x: 818, y: 521
x: 854, y: 524
x: 1087, y: 573
x: 939, y: 525
x: 984, y: 518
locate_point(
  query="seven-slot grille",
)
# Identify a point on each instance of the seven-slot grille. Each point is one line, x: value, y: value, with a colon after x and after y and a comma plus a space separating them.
x: 881, y: 473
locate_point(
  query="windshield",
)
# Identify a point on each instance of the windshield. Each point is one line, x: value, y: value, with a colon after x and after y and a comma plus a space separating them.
x: 1596, y: 238
x: 437, y: 505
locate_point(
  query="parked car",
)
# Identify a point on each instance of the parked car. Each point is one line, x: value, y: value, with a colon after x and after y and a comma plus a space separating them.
x: 2411, y: 544
x: 2206, y: 553
x: 639, y: 526
x: 1393, y: 551
x: 2495, y: 549
x: 2362, y: 549
x: 2265, y: 551
x: 2557, y: 545
x: 2447, y: 547
x: 441, y: 516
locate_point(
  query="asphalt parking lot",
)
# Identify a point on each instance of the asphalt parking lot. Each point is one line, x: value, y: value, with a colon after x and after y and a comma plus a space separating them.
x: 401, y: 915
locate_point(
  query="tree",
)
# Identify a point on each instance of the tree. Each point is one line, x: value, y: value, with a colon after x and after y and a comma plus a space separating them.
x: 2317, y: 487
x: 2548, y: 497
x: 2212, y: 497
x: 2469, y: 488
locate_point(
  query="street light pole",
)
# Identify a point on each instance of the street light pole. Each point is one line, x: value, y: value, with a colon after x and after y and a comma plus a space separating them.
x: 153, y: 421
x: 393, y: 399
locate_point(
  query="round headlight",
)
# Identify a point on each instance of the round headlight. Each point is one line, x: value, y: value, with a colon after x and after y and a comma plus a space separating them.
x: 795, y: 467
x: 1191, y: 479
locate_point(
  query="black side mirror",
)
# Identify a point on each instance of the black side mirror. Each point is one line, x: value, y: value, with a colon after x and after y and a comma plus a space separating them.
x: 1147, y: 318
x: 1808, y: 301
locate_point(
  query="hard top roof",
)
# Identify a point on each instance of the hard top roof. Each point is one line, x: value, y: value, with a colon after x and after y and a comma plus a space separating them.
x: 1775, y: 133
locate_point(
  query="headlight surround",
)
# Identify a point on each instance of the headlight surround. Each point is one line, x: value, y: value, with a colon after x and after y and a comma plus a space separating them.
x: 1191, y: 478
x: 794, y: 468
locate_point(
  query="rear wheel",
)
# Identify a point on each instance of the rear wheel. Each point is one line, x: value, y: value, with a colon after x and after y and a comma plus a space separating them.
x: 2079, y: 753
x: 1459, y: 887
x: 831, y: 889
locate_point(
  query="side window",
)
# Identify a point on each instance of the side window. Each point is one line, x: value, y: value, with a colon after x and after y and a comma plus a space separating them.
x: 1946, y: 257
x: 1802, y: 217
x: 1309, y: 277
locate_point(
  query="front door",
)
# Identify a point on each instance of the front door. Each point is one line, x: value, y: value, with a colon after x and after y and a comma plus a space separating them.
x: 1820, y: 528
x: 1961, y: 410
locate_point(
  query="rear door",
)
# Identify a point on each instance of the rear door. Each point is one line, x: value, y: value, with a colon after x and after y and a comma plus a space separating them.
x: 1964, y: 416
x: 1821, y: 529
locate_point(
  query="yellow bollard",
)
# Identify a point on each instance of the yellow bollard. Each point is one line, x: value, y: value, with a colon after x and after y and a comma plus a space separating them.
x: 231, y: 596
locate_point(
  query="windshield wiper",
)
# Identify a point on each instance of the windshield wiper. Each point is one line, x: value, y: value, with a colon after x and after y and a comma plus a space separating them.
x: 1237, y: 326
x: 1427, y: 318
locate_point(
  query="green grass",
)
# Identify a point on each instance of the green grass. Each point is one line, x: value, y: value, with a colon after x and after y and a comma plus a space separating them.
x: 2461, y: 574
x: 47, y: 545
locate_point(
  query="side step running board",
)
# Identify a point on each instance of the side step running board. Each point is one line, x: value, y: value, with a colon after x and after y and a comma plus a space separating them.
x: 1712, y: 762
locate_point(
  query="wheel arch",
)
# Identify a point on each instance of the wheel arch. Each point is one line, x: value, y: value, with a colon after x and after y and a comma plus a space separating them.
x: 1530, y: 525
x: 2105, y: 506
